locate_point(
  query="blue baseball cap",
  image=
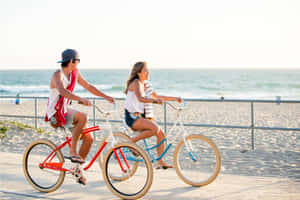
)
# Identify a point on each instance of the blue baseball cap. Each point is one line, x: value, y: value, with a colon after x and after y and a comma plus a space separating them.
x: 68, y: 54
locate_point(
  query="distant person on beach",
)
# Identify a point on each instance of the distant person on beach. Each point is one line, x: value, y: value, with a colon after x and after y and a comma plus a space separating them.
x: 18, y: 99
x: 59, y: 113
x: 135, y: 108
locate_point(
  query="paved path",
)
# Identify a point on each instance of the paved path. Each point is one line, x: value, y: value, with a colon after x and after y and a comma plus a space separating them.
x: 166, y: 185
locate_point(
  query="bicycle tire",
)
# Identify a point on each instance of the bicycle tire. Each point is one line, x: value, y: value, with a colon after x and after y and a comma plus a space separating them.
x: 144, y: 167
x: 39, y: 177
x: 209, y: 154
x: 124, y: 138
x: 121, y: 137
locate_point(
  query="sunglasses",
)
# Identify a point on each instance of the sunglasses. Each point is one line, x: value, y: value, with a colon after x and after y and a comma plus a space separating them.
x: 77, y: 59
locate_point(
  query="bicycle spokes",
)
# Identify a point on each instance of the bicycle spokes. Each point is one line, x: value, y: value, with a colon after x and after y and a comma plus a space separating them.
x: 197, y: 160
x: 42, y: 166
x: 126, y: 176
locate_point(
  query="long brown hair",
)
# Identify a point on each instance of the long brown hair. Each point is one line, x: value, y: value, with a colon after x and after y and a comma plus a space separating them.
x: 137, y: 68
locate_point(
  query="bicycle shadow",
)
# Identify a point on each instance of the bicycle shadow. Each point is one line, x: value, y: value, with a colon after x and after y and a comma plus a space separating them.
x: 177, y: 193
x: 170, y: 193
x: 253, y: 189
x: 92, y: 188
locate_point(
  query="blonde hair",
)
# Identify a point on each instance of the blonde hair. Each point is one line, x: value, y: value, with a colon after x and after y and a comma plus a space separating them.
x: 137, y: 68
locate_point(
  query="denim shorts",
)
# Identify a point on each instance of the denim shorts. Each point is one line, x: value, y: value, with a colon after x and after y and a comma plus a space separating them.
x: 130, y: 118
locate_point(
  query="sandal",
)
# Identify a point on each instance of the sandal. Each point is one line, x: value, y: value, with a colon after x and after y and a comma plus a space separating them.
x: 75, y: 159
x: 82, y: 180
x: 164, y: 166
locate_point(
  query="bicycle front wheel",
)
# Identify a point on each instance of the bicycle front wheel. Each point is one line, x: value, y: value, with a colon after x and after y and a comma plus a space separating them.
x: 37, y: 168
x: 119, y: 137
x: 197, y: 160
x: 120, y: 161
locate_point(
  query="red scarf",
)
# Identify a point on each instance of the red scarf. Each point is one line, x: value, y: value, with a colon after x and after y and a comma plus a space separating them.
x: 60, y: 114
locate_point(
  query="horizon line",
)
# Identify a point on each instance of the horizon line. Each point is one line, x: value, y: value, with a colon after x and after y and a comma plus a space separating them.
x: 164, y: 68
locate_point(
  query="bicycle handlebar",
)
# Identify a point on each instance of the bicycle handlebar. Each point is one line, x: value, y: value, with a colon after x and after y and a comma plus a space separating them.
x: 106, y: 112
x: 101, y: 109
x: 177, y: 108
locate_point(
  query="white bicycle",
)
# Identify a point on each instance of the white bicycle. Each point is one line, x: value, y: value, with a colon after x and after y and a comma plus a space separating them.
x: 196, y: 158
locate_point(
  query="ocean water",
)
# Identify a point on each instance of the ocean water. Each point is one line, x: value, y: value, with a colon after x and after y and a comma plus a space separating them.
x: 187, y: 83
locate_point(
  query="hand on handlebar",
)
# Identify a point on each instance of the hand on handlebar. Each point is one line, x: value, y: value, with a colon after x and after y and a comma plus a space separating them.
x: 110, y: 99
x: 178, y: 99
x: 85, y: 102
x: 158, y: 101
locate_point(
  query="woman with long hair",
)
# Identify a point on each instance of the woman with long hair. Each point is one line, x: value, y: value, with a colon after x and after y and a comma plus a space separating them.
x: 135, y: 108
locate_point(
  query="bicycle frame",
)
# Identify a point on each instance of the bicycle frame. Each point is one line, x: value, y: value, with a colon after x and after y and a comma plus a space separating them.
x: 47, y: 163
x: 181, y: 126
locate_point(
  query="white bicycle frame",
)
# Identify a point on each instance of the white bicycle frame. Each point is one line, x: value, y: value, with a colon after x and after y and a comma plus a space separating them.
x: 178, y: 120
x: 107, y: 125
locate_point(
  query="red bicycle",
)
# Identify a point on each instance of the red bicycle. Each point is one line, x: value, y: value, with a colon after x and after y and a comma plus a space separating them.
x: 45, y: 166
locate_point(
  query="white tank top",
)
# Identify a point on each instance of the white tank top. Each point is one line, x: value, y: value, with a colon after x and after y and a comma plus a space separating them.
x: 54, y: 96
x: 132, y: 104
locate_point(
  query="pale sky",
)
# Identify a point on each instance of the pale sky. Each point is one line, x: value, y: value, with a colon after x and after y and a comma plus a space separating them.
x: 165, y: 33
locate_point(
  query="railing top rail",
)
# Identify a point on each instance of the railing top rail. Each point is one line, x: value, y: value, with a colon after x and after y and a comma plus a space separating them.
x: 186, y: 99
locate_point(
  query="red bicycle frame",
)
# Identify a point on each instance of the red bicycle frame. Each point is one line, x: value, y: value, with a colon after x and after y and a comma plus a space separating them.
x: 47, y: 163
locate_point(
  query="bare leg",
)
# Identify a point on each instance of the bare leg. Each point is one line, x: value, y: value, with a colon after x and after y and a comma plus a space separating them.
x: 161, y: 148
x: 147, y: 127
x: 80, y: 121
x: 150, y: 129
x: 87, y: 141
x: 143, y: 135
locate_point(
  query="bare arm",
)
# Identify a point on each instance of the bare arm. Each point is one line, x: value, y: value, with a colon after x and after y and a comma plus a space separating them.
x: 165, y: 98
x: 93, y: 89
x: 137, y: 90
x: 57, y: 82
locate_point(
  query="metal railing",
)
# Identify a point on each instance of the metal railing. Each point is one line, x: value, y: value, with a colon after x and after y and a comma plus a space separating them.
x: 165, y: 123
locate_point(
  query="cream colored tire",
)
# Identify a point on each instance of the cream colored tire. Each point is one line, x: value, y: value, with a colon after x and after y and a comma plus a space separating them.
x: 121, y: 137
x: 145, y: 179
x: 203, y: 170
x: 42, y: 179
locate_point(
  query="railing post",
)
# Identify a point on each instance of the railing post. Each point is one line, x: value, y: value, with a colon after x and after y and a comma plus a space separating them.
x: 94, y: 112
x: 35, y: 113
x: 94, y: 116
x: 165, y: 117
x: 252, y: 126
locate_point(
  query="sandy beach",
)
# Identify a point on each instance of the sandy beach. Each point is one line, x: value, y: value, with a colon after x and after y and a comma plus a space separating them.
x: 274, y: 163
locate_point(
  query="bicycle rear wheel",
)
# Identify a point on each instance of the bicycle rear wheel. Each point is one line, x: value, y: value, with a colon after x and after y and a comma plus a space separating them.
x: 136, y: 184
x: 37, y: 174
x: 197, y: 160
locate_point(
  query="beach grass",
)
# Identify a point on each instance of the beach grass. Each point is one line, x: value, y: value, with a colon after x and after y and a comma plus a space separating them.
x: 3, y: 130
x: 14, y: 124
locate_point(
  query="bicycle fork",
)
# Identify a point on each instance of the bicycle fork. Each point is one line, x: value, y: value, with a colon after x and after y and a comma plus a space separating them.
x: 189, y: 147
x: 119, y: 160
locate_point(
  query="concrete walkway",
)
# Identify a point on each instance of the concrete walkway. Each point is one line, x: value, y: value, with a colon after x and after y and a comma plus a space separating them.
x: 166, y: 185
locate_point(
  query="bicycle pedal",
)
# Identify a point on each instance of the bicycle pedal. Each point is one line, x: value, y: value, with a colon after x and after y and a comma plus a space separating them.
x: 76, y: 170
